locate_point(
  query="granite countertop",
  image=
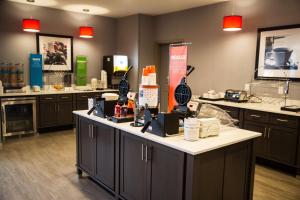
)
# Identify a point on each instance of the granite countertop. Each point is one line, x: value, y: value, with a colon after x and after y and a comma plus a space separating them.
x: 272, y: 108
x: 227, y: 136
x: 42, y: 92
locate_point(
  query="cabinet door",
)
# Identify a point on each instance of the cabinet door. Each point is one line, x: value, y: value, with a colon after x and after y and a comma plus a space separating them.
x: 105, y: 154
x: 282, y: 144
x: 81, y: 104
x: 47, y: 115
x: 86, y: 146
x: 165, y: 170
x: 261, y: 143
x: 132, y: 167
x: 64, y: 113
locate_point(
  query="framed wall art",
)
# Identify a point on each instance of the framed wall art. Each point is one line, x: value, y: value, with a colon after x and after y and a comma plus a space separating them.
x: 57, y: 52
x: 278, y: 53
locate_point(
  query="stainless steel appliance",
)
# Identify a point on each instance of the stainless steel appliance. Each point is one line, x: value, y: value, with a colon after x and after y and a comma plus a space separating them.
x: 237, y: 96
x: 18, y: 116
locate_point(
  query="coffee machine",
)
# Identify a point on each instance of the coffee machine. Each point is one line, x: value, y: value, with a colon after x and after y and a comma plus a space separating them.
x: 115, y: 66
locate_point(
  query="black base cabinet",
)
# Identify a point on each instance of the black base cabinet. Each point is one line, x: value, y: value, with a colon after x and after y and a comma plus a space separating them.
x: 149, y: 170
x: 96, y: 151
x: 134, y: 168
x: 279, y: 145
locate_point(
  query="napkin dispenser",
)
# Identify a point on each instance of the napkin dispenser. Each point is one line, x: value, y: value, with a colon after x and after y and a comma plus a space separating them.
x: 102, y: 108
x: 161, y: 124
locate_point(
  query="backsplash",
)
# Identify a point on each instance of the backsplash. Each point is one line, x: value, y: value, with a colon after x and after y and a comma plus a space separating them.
x: 270, y: 89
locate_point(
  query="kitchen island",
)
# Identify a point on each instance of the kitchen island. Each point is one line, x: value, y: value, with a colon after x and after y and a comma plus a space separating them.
x: 136, y: 166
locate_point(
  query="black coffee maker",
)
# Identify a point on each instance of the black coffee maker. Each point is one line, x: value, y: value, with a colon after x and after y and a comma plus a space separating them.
x: 102, y: 108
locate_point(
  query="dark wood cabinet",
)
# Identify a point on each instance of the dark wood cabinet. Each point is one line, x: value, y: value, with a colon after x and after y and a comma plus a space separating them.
x: 64, y: 113
x: 165, y: 172
x: 55, y: 110
x: 96, y: 151
x: 105, y: 154
x: 135, y: 168
x: 47, y: 114
x: 132, y: 167
x: 279, y: 136
x: 86, y: 145
x: 149, y: 170
x: 261, y: 143
x: 282, y: 144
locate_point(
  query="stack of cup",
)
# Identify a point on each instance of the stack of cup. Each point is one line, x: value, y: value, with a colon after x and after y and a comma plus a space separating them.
x: 191, y: 129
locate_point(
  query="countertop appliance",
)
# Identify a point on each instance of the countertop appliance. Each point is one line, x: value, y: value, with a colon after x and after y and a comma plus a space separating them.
x: 115, y: 66
x: 237, y: 96
x: 161, y: 124
x: 183, y: 95
x: 18, y: 116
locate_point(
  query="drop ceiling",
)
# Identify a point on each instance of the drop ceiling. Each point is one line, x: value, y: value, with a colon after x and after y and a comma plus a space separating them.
x: 121, y: 8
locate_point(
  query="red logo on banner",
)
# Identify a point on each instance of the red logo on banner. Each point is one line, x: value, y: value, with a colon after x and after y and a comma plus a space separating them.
x: 177, y: 70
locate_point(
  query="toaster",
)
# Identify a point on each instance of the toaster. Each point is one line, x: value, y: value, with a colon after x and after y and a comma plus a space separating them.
x: 235, y: 95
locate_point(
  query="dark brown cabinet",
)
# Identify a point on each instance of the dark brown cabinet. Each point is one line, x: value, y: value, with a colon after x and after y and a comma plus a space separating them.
x: 149, y: 170
x: 132, y: 167
x: 261, y: 145
x: 282, y: 144
x: 105, y: 154
x: 47, y: 114
x: 279, y: 136
x: 96, y: 151
x: 165, y: 171
x: 64, y: 113
x: 86, y: 146
x: 55, y: 110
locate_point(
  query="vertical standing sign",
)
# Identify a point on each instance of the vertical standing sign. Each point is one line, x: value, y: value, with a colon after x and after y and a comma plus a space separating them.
x: 177, y: 70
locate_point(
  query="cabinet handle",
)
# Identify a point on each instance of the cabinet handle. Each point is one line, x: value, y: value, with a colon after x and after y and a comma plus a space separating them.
x: 64, y: 97
x: 57, y: 107
x: 48, y: 98
x: 256, y: 116
x: 146, y: 159
x: 142, y: 151
x: 265, y: 132
x: 269, y: 133
x: 282, y: 120
x: 228, y: 111
x: 89, y: 131
x: 83, y: 96
x: 92, y: 131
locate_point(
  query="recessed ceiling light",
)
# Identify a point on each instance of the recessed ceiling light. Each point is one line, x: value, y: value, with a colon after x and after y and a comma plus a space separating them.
x: 31, y: 1
x: 86, y: 10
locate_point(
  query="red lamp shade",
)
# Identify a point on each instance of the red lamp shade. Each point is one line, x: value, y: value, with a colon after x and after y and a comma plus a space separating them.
x: 232, y: 23
x: 86, y: 32
x: 31, y: 25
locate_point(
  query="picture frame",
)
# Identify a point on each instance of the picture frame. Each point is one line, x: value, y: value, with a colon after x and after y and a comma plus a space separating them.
x: 278, y: 53
x: 57, y: 52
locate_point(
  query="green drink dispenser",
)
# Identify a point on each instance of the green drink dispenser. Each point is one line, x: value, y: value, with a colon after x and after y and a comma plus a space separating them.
x: 81, y: 70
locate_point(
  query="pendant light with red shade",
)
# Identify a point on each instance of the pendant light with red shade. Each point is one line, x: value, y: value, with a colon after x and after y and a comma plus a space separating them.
x: 232, y: 22
x: 31, y: 25
x: 86, y: 31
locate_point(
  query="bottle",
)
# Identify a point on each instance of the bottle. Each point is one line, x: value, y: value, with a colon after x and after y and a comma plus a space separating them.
x: 117, y: 110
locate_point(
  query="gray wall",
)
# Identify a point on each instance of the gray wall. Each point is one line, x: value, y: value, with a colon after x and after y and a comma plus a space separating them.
x: 135, y: 38
x: 127, y: 43
x: 16, y: 44
x: 225, y: 59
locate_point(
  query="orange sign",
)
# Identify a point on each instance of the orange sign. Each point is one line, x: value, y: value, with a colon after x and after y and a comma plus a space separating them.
x: 177, y: 70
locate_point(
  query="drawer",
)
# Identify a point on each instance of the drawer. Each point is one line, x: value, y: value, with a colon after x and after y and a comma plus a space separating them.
x: 83, y: 96
x: 232, y: 111
x: 258, y: 116
x: 65, y: 97
x: 48, y: 98
x: 284, y: 120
